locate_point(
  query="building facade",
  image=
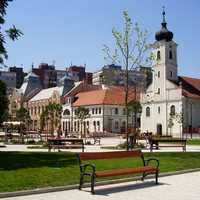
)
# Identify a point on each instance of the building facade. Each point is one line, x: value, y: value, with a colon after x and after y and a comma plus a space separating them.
x: 171, y: 104
x: 106, y: 111
x: 115, y: 75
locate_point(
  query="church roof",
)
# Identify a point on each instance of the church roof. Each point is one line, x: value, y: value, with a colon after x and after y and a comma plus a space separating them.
x: 190, y: 87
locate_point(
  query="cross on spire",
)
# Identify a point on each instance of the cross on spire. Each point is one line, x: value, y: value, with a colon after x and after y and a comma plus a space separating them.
x: 163, y: 13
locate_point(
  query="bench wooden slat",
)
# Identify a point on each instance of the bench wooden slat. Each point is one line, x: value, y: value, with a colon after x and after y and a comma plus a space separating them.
x: 107, y: 155
x: 119, y: 172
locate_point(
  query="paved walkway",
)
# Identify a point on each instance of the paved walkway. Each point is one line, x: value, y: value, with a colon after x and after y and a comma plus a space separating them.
x: 184, y: 187
x: 104, y: 142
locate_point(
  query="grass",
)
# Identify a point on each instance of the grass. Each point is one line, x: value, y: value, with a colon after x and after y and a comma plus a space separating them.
x: 28, y: 170
x: 193, y: 141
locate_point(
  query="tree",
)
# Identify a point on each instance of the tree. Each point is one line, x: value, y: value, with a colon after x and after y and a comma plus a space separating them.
x: 134, y: 107
x: 52, y: 113
x: 131, y: 52
x: 22, y: 114
x: 13, y: 33
x: 3, y: 102
x: 82, y: 113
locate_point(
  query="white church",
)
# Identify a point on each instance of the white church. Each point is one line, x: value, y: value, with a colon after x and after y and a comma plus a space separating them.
x: 171, y: 104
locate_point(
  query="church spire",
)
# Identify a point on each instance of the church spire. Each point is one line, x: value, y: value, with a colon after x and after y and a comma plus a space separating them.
x: 164, y: 23
x: 164, y: 33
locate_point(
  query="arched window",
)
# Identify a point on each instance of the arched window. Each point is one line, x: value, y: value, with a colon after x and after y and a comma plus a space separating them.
x: 158, y: 55
x: 147, y: 112
x: 170, y: 54
x: 158, y: 74
x: 66, y: 112
x: 172, y: 110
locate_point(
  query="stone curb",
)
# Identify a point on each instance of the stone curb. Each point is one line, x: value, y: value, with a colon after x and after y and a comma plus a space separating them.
x: 70, y: 187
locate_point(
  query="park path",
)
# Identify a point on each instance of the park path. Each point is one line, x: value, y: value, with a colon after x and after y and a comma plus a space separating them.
x: 183, y: 186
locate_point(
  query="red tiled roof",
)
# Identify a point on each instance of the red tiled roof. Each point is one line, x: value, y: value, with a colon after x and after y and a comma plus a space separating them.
x: 190, y: 87
x: 110, y: 96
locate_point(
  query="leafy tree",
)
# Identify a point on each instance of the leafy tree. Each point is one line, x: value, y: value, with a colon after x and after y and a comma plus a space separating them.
x: 3, y: 102
x: 131, y: 52
x: 22, y: 114
x: 53, y: 114
x: 13, y: 33
x: 82, y: 113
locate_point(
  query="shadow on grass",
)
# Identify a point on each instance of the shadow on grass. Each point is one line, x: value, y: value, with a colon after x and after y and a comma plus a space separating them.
x: 18, y: 160
x: 124, y: 188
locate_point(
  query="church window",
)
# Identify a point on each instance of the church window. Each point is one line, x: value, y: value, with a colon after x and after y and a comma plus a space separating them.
x: 158, y: 74
x: 172, y: 110
x: 158, y: 55
x: 170, y: 54
x: 147, y: 112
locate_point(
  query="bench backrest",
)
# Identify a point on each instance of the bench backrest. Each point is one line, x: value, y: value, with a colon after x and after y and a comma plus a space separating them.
x: 109, y: 155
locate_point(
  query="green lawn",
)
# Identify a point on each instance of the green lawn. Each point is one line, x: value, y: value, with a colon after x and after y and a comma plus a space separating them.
x: 193, y: 141
x: 26, y: 170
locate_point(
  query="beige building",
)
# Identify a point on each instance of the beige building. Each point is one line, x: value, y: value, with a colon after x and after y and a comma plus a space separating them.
x: 37, y: 104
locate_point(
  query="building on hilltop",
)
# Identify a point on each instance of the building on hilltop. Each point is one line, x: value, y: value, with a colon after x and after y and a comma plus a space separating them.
x: 171, y: 104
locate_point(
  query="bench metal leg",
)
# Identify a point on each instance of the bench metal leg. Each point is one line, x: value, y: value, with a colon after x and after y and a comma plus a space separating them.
x: 157, y: 177
x: 143, y: 175
x: 92, y: 184
x: 81, y: 182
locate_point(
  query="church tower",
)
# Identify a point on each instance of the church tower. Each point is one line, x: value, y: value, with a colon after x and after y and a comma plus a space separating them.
x: 165, y: 58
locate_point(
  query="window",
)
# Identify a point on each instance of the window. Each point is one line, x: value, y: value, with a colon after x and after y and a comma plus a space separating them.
x: 158, y: 109
x: 172, y: 110
x: 92, y: 110
x: 99, y: 110
x: 147, y: 112
x: 116, y: 125
x: 75, y: 126
x: 158, y: 55
x: 171, y: 73
x: 66, y: 112
x: 158, y: 90
x: 116, y: 111
x: 170, y: 54
x: 96, y: 111
x: 158, y: 74
x: 98, y: 125
x: 124, y: 111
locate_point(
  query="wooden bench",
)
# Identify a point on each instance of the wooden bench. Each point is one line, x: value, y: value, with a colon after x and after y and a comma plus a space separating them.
x: 65, y: 143
x: 169, y: 142
x: 90, y: 169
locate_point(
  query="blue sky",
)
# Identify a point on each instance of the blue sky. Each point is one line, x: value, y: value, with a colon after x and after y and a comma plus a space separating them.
x: 75, y: 30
